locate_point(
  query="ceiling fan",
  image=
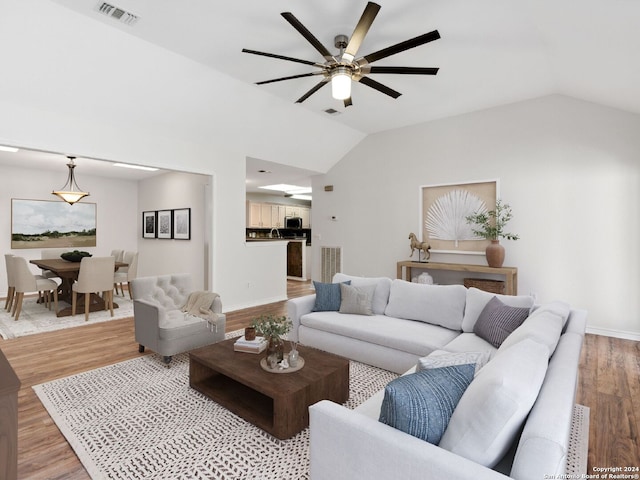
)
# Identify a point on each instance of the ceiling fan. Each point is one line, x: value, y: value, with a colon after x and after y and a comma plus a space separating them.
x: 343, y: 68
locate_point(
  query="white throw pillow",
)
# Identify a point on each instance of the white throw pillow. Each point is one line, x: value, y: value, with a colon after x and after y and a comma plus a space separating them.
x: 442, y: 358
x: 381, y: 295
x: 544, y: 326
x: 356, y: 300
x: 477, y: 299
x: 490, y: 413
x: 436, y: 304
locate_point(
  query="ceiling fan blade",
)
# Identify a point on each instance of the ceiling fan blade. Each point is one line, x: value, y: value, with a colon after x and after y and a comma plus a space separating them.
x: 295, y: 23
x: 347, y: 102
x: 401, y: 47
x: 401, y: 70
x: 302, y: 75
x: 281, y: 57
x: 367, y: 18
x: 318, y: 86
x: 378, y: 86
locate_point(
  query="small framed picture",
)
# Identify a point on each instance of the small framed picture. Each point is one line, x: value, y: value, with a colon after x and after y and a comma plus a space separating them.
x: 149, y: 224
x: 182, y: 224
x: 165, y: 224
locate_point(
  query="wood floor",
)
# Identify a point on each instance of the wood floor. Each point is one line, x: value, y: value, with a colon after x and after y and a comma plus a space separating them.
x: 609, y: 385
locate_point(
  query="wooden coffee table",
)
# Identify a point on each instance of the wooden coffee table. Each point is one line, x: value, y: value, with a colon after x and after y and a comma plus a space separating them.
x: 277, y: 403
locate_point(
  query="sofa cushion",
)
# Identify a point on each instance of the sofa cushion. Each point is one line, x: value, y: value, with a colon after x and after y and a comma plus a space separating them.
x: 328, y: 297
x: 544, y: 326
x: 470, y: 342
x: 356, y: 300
x: 436, y: 304
x: 381, y: 295
x: 442, y: 358
x: 421, y: 403
x: 493, y: 408
x: 478, y: 299
x: 176, y: 324
x: 497, y: 321
x: 416, y: 338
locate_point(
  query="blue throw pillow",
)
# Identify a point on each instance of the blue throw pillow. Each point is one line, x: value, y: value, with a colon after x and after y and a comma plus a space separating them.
x: 328, y: 296
x: 421, y: 404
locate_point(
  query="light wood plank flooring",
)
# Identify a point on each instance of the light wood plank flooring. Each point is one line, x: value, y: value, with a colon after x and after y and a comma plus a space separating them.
x: 609, y: 385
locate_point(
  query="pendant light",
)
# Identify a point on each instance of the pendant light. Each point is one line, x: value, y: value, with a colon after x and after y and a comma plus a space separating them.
x: 70, y: 193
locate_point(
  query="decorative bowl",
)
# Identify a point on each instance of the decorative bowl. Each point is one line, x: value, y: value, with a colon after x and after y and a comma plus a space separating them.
x: 75, y: 256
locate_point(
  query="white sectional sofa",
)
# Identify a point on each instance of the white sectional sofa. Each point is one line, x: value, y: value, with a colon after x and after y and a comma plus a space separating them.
x: 513, y: 420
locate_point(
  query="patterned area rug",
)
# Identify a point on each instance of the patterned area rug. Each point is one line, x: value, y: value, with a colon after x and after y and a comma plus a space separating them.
x: 139, y: 419
x: 36, y: 318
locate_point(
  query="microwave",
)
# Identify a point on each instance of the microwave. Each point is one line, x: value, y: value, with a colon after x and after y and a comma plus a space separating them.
x: 293, y: 222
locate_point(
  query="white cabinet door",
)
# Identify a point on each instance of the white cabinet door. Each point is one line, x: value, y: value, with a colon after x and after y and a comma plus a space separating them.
x: 277, y: 216
x: 265, y: 211
x: 254, y: 215
x: 292, y: 211
x: 305, y: 213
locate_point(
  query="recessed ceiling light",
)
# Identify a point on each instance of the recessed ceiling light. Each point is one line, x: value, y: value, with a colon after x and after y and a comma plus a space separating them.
x: 8, y: 149
x: 137, y: 167
x: 264, y: 171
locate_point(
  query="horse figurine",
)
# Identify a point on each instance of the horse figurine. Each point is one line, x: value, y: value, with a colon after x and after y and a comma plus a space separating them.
x: 416, y: 245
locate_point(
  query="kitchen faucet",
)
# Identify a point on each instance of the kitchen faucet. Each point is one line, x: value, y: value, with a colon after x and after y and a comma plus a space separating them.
x: 277, y: 233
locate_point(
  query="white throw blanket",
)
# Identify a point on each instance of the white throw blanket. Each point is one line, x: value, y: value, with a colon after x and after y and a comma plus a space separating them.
x: 199, y: 305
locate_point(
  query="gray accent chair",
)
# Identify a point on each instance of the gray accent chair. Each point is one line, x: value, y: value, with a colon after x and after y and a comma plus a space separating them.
x: 160, y: 323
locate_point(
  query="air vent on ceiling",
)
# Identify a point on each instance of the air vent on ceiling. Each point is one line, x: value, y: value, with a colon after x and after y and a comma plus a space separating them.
x: 332, y: 111
x: 118, y: 14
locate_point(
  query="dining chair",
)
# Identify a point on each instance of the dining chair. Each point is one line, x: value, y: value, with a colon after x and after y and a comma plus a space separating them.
x: 26, y: 282
x: 51, y: 253
x: 95, y: 276
x: 10, y: 282
x: 126, y: 274
x: 118, y: 255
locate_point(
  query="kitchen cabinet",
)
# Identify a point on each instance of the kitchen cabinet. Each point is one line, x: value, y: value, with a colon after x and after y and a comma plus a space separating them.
x: 305, y: 213
x: 277, y: 216
x: 297, y: 260
x: 259, y: 215
x: 272, y: 215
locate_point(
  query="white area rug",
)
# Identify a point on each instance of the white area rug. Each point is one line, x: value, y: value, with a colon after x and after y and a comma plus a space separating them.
x: 36, y: 318
x: 139, y: 419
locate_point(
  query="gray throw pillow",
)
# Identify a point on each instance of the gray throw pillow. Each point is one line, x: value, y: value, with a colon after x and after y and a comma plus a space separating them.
x: 421, y: 403
x: 497, y: 321
x: 327, y: 296
x: 357, y: 300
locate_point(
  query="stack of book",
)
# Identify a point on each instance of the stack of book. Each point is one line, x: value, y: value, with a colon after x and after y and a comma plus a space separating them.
x: 257, y: 345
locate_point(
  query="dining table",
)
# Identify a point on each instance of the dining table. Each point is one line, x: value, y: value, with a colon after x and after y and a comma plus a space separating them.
x: 68, y: 273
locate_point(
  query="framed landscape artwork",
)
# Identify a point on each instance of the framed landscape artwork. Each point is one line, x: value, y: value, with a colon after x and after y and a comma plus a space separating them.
x: 182, y: 224
x: 52, y: 224
x: 164, y: 224
x: 443, y: 212
x: 149, y: 224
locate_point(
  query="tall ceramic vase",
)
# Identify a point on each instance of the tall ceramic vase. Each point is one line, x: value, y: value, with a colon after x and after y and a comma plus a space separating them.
x: 495, y: 254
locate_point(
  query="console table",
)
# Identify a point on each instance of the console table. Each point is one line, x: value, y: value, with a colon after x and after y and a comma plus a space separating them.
x: 510, y: 273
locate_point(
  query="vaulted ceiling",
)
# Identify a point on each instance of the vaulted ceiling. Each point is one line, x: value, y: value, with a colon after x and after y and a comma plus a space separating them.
x: 490, y: 53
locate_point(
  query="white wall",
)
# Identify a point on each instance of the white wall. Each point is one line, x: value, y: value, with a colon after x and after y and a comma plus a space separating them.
x: 116, y: 209
x: 164, y: 256
x: 568, y: 168
x: 78, y: 86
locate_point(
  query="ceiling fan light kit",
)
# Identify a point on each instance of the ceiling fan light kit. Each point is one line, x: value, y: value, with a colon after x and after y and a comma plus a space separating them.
x: 344, y: 68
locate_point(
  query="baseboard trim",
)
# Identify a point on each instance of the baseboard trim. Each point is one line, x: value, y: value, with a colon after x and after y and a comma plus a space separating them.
x: 262, y: 301
x: 607, y: 332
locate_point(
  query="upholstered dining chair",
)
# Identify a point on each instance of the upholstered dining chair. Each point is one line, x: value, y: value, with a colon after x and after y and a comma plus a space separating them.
x: 26, y: 282
x: 51, y: 253
x: 95, y: 276
x: 126, y: 274
x: 118, y: 255
x: 11, y: 283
